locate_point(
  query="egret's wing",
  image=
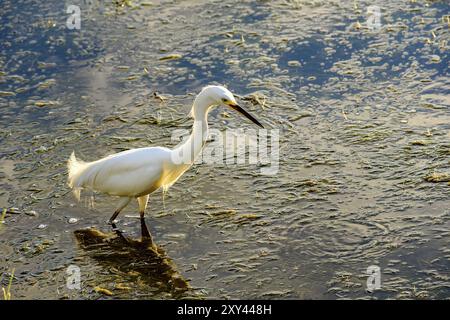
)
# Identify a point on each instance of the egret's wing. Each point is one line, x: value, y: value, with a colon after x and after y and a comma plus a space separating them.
x: 128, y: 173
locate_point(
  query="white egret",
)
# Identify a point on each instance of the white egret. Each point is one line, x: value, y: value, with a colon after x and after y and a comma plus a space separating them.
x: 138, y: 172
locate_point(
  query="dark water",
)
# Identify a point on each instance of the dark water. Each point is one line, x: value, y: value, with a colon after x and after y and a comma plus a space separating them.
x: 364, y: 172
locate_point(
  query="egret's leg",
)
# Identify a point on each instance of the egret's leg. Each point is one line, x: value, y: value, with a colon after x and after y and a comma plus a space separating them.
x: 146, y: 236
x: 142, y: 204
x: 119, y: 233
x: 122, y: 204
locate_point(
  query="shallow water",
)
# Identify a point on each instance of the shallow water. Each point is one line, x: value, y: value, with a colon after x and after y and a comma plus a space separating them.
x: 363, y: 116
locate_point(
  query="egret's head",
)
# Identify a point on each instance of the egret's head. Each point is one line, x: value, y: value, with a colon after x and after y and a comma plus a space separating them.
x: 221, y: 96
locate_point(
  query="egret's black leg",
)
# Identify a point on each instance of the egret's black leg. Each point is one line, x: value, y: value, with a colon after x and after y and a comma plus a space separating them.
x: 113, y: 217
x: 146, y: 236
x: 144, y: 231
x: 118, y: 232
x: 122, y: 204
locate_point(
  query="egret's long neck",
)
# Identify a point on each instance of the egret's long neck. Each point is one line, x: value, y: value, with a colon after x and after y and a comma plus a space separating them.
x: 191, y: 148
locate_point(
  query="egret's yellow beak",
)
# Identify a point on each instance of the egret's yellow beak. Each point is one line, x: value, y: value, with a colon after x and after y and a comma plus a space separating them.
x: 239, y: 109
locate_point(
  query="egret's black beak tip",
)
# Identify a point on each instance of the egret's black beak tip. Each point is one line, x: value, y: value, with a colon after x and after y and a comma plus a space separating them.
x: 247, y: 115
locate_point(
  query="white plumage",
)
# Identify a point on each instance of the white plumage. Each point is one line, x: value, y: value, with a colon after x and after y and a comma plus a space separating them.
x: 138, y: 172
x: 121, y: 174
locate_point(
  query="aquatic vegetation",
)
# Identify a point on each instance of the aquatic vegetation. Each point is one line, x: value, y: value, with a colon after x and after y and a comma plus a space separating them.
x: 103, y: 291
x: 438, y: 177
x: 2, y: 217
x: 173, y: 56
x: 7, y: 291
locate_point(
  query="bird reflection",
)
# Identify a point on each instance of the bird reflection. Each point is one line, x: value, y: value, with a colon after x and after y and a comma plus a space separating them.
x: 130, y: 256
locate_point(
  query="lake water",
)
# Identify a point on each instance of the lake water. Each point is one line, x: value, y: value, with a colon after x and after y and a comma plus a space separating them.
x: 363, y: 114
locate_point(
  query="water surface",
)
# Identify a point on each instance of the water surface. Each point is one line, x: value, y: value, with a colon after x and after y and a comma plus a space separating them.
x: 363, y: 116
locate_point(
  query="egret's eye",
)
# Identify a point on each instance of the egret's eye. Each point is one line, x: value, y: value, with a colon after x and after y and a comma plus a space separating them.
x: 224, y: 100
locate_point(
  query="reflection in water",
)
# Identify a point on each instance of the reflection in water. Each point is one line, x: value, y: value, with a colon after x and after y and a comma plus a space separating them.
x: 128, y: 255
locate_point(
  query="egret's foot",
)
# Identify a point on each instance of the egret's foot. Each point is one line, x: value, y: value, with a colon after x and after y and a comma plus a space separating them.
x: 116, y: 213
x: 118, y: 232
x: 146, y: 237
x: 144, y: 230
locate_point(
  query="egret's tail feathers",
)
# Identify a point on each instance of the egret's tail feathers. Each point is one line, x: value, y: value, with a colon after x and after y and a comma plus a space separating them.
x: 76, y: 170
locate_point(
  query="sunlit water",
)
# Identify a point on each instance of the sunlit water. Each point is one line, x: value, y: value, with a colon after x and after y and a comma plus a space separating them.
x: 363, y: 116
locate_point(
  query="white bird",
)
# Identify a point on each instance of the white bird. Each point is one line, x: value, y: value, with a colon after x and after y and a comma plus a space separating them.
x: 138, y: 172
